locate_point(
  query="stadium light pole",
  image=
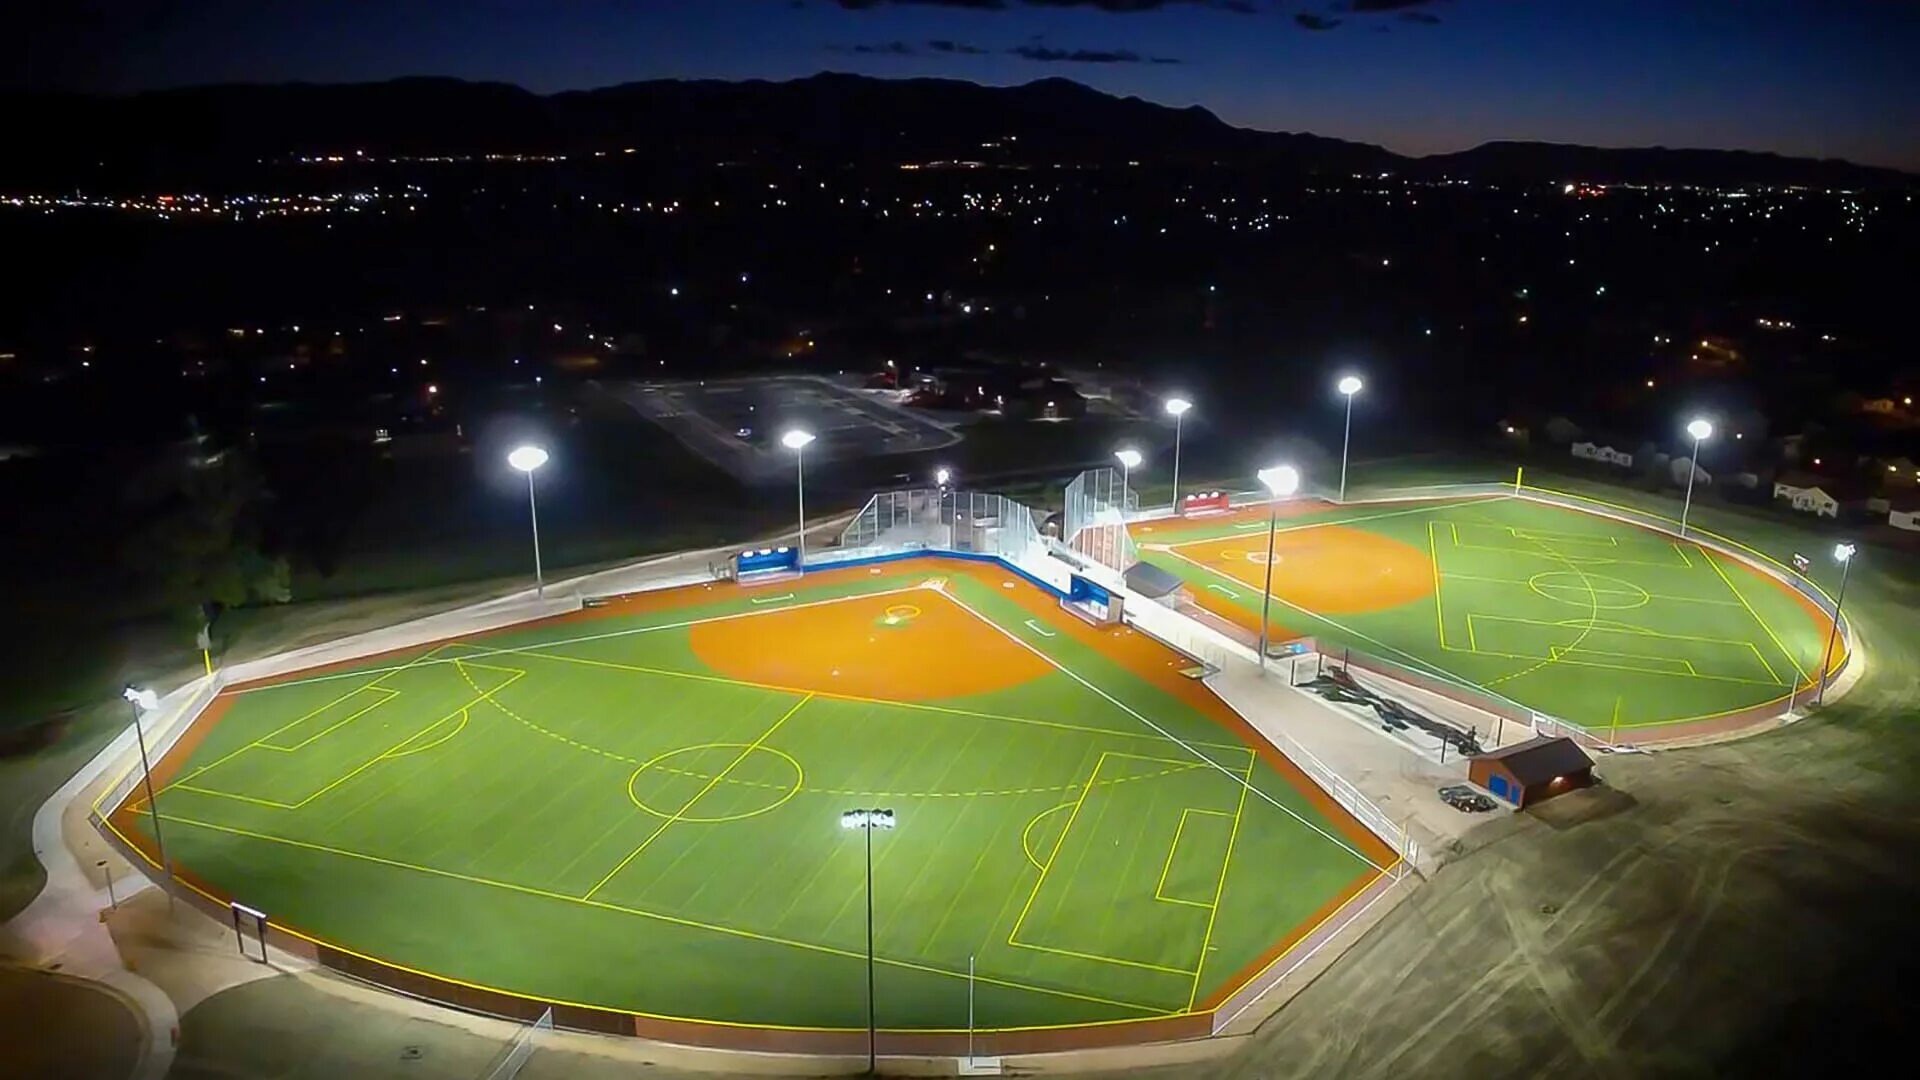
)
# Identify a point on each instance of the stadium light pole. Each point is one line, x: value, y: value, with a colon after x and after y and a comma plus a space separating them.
x: 1178, y: 406
x: 1129, y: 461
x: 1281, y: 481
x: 1701, y: 431
x: 940, y: 477
x: 527, y: 459
x: 1349, y: 385
x: 1842, y: 554
x: 867, y: 821
x: 143, y: 702
x: 796, y: 440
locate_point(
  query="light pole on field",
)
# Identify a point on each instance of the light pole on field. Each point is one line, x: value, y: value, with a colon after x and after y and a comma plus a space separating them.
x: 1842, y: 554
x: 527, y: 459
x: 867, y: 821
x: 1178, y: 407
x: 143, y: 702
x: 796, y: 440
x: 1281, y: 481
x: 941, y: 476
x: 1701, y: 431
x: 1129, y: 460
x: 1349, y: 385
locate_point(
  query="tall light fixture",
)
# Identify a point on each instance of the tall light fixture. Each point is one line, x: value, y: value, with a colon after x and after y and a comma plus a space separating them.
x: 527, y: 459
x: 1129, y: 461
x: 796, y: 440
x: 1281, y: 481
x: 866, y: 821
x: 145, y: 701
x: 1349, y: 385
x: 1701, y: 431
x: 1842, y: 554
x: 1178, y: 407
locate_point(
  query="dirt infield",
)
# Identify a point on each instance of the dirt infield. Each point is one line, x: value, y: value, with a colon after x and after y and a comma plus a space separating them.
x: 905, y: 646
x: 1329, y: 568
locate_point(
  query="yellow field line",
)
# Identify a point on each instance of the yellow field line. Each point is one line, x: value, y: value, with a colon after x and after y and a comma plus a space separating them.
x: 457, y: 729
x: 1059, y: 843
x: 675, y: 920
x: 1160, y: 890
x: 1219, y: 887
x: 701, y: 794
x: 831, y: 695
x: 1439, y: 607
x: 1778, y: 644
x: 370, y: 684
x: 351, y: 717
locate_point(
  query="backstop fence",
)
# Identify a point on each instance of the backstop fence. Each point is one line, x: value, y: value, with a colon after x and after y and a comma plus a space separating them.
x: 936, y: 519
x: 1093, y: 521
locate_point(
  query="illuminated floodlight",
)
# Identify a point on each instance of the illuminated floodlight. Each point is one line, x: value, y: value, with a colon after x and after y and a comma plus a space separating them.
x: 1282, y: 480
x: 1349, y: 385
x: 1129, y: 457
x: 796, y: 439
x: 866, y: 819
x: 1177, y: 407
x: 941, y: 476
x: 527, y: 458
x: 147, y: 701
x: 1842, y: 552
x: 1700, y: 430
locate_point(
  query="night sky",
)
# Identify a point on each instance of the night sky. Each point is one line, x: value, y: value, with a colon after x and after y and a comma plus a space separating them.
x: 1814, y: 77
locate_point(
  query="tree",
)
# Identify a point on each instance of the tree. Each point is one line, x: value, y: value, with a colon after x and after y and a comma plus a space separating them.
x: 198, y: 542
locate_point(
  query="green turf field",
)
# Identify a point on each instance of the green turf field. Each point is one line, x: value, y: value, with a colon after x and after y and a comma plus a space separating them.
x: 1572, y: 614
x: 592, y: 812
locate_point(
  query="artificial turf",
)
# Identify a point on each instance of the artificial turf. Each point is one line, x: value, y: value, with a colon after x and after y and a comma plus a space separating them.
x: 640, y: 809
x: 1575, y: 615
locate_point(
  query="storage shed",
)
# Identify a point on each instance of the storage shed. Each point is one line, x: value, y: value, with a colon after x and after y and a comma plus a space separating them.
x: 1532, y: 771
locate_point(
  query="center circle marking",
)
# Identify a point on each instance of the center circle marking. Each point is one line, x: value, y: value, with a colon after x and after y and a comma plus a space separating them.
x: 1589, y: 590
x: 775, y: 797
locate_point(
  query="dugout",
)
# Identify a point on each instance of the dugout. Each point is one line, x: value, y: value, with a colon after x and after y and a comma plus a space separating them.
x: 1533, y: 771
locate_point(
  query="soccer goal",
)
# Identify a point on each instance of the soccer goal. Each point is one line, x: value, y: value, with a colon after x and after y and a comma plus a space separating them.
x: 1092, y: 602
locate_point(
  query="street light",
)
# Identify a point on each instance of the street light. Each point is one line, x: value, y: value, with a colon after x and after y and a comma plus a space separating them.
x: 145, y: 701
x: 941, y: 476
x: 1842, y: 554
x: 1178, y: 407
x: 527, y: 459
x: 1282, y: 481
x: 1701, y: 432
x: 796, y: 440
x: 1129, y: 461
x: 867, y: 821
x: 1349, y: 385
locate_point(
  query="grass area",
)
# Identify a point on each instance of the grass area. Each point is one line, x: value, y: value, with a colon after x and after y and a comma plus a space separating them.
x: 1567, y: 613
x: 640, y: 809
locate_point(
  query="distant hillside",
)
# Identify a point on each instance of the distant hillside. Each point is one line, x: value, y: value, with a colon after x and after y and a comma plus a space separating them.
x: 825, y: 118
x: 1531, y: 161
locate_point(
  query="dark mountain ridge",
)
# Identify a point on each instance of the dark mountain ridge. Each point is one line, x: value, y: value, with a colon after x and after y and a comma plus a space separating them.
x: 823, y: 119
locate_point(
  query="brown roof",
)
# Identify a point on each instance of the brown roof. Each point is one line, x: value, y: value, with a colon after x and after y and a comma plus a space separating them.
x: 1540, y: 759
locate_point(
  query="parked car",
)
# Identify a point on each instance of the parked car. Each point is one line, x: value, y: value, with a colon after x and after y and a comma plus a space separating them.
x: 1465, y: 799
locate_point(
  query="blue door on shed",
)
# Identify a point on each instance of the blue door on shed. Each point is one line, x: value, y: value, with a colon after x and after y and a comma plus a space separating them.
x: 1498, y: 785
